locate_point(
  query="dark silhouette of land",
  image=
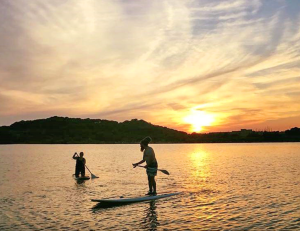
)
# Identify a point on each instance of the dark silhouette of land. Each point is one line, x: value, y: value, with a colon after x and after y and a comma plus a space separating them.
x: 63, y: 130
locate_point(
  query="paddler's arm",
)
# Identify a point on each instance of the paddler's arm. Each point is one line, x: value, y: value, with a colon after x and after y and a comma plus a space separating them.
x: 74, y: 156
x: 136, y: 164
x: 84, y: 161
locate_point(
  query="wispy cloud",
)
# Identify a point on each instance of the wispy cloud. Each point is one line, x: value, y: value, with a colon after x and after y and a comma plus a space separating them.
x: 153, y: 60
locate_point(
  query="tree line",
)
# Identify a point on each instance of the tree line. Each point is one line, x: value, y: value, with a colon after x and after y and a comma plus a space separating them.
x: 64, y: 130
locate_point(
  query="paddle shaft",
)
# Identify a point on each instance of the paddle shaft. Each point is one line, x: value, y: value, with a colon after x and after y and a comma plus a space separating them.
x: 88, y: 169
x: 162, y: 170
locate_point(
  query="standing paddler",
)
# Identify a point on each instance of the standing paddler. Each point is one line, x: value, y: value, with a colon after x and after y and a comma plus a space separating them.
x: 80, y: 164
x: 151, y: 164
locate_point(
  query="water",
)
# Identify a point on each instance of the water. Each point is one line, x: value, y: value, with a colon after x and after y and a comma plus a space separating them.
x: 225, y: 187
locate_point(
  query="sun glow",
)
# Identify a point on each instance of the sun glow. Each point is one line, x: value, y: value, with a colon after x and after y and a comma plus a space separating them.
x: 199, y: 119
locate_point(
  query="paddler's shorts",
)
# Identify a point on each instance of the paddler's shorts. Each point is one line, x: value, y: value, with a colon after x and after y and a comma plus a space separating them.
x: 151, y: 171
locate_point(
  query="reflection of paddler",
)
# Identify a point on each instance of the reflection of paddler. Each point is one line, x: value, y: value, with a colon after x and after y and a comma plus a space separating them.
x: 150, y: 220
x: 80, y: 164
x: 151, y: 164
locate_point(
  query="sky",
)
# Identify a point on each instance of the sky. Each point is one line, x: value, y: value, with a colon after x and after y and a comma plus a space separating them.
x: 190, y: 65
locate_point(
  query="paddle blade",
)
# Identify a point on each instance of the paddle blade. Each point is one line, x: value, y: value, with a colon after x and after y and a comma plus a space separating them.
x: 93, y: 176
x: 164, y: 171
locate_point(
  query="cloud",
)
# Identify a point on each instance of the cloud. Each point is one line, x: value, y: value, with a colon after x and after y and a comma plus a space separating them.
x: 152, y: 60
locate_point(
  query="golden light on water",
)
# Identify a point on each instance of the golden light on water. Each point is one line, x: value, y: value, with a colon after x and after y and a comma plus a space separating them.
x: 198, y: 120
x: 200, y: 169
x: 199, y: 161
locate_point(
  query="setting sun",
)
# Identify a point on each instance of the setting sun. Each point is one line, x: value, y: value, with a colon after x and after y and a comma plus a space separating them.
x: 198, y: 119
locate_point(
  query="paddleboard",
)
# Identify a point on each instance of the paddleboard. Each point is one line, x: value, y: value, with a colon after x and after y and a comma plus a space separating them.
x: 81, y: 177
x: 133, y: 200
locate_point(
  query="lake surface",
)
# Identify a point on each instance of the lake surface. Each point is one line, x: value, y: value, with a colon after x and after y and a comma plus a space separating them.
x: 224, y: 187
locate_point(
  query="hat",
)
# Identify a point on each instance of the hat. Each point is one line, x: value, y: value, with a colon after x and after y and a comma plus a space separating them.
x: 146, y: 140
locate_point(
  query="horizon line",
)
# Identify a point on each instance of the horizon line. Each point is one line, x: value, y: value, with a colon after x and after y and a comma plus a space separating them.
x: 267, y: 129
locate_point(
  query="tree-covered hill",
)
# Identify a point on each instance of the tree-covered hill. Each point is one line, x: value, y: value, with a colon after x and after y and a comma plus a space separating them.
x: 72, y: 130
x: 63, y: 130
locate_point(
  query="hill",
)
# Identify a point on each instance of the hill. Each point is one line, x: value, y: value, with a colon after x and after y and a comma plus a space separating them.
x: 64, y: 130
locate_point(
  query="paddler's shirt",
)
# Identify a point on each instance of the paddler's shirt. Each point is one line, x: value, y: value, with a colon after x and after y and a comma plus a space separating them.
x: 80, y: 162
x: 149, y: 157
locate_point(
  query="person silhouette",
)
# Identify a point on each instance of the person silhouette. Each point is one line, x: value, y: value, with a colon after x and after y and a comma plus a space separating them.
x: 80, y: 164
x: 151, y: 164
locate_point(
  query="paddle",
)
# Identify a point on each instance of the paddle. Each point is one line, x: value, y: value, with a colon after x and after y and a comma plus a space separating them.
x: 162, y: 170
x: 92, y: 175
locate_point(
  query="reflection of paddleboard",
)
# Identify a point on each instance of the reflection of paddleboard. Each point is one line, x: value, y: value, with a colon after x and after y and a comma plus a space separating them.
x: 133, y: 200
x: 81, y: 177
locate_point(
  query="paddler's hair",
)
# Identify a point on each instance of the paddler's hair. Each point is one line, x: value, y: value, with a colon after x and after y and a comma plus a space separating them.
x: 146, y: 140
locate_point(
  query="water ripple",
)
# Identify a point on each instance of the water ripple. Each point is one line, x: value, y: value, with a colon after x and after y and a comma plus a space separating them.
x: 224, y: 187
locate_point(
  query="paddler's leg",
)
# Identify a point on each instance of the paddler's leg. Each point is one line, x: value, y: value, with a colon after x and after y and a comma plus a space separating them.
x: 149, y: 183
x: 154, y: 185
x: 83, y: 171
x: 77, y: 171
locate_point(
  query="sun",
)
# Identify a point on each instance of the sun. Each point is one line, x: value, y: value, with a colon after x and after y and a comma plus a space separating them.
x: 198, y: 119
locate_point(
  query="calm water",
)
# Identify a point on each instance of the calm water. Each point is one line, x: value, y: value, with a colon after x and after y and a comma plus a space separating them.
x: 225, y: 187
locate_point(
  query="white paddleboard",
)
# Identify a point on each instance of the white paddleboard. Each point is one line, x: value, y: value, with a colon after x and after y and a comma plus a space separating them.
x: 133, y: 200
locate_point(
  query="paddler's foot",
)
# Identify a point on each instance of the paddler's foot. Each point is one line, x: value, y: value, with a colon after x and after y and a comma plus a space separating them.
x: 149, y: 193
x: 154, y: 194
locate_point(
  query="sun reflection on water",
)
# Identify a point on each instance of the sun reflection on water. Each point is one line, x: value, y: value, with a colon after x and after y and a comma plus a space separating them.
x: 200, y: 167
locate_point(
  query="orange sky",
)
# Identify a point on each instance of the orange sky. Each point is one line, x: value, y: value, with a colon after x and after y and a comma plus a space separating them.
x: 189, y: 65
